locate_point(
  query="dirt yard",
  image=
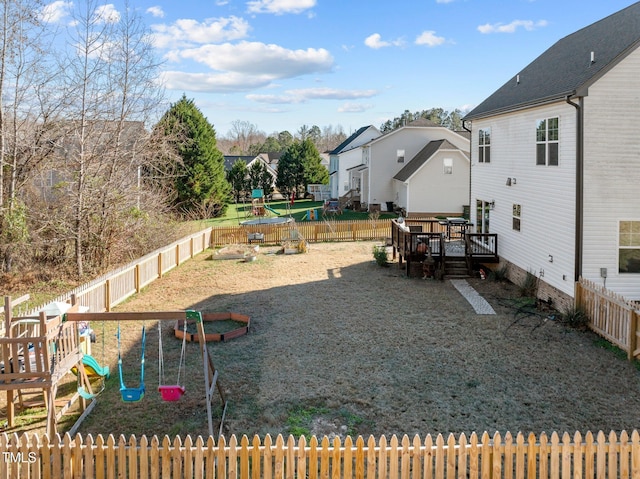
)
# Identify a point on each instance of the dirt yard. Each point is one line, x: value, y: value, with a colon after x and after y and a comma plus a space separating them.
x: 339, y: 345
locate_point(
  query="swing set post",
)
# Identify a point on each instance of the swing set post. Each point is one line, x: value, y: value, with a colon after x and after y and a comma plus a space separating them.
x: 211, y: 381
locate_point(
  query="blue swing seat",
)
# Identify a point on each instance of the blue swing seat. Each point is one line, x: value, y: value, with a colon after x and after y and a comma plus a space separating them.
x: 132, y: 394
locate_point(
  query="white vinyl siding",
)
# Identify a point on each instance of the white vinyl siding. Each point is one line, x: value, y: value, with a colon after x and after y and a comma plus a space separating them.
x: 611, y: 172
x: 547, y: 195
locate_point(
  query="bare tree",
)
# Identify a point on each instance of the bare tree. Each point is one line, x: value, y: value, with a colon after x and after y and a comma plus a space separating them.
x: 243, y: 134
x: 109, y: 74
x: 23, y: 72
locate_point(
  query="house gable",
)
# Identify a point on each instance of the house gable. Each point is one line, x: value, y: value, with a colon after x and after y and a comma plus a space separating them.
x: 568, y: 67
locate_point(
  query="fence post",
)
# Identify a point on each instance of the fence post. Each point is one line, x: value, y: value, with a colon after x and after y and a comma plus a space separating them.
x: 633, y: 334
x: 160, y: 264
x: 136, y: 277
x: 107, y: 295
x: 191, y: 248
x: 178, y: 254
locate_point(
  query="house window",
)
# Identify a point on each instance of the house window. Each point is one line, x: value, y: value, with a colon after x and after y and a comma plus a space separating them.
x: 447, y: 165
x: 400, y: 156
x: 483, y: 211
x: 629, y: 247
x: 516, y: 217
x: 484, y: 145
x: 365, y: 156
x: 547, y: 142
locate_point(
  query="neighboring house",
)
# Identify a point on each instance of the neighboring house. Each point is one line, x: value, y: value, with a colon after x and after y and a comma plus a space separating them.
x: 107, y: 143
x: 435, y: 181
x: 556, y: 162
x: 420, y: 155
x: 249, y: 160
x: 346, y: 156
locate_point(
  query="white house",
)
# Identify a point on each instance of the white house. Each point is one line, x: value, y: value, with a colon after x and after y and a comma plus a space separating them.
x: 555, y: 169
x: 405, y: 150
x: 346, y: 156
x: 435, y: 181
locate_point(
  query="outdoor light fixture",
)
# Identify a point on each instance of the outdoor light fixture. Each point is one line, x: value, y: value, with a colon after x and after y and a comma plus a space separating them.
x: 508, y: 181
x: 492, y: 204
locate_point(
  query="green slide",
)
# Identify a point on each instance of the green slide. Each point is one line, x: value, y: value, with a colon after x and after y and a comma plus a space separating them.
x: 93, y: 369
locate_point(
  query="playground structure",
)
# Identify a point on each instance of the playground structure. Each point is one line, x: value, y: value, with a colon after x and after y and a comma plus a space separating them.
x: 169, y: 392
x: 37, y: 353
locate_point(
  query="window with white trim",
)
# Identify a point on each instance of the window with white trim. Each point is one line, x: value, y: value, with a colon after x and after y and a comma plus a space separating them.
x: 516, y: 217
x: 629, y: 247
x: 547, y: 135
x: 484, y: 145
x: 447, y: 166
x: 400, y: 156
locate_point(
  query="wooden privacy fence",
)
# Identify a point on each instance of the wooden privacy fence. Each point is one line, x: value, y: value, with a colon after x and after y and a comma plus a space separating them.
x: 603, y: 456
x: 315, y: 231
x: 610, y: 315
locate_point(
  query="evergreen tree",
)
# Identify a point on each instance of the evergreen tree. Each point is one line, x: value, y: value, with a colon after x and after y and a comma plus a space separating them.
x: 237, y: 178
x: 201, y: 186
x: 290, y: 170
x: 300, y: 166
x: 314, y: 171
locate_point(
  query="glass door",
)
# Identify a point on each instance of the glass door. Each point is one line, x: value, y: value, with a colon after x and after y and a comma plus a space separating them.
x: 482, y: 216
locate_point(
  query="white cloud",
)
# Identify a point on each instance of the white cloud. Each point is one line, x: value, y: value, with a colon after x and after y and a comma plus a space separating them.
x: 228, y: 82
x: 55, y: 11
x: 156, y: 11
x: 332, y: 93
x: 305, y: 94
x: 280, y: 7
x: 107, y: 13
x: 430, y: 39
x: 354, y: 107
x: 512, y: 27
x: 375, y: 41
x: 255, y: 58
x: 274, y: 99
x: 186, y: 32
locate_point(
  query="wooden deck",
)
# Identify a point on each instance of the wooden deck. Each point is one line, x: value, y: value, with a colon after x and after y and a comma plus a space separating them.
x: 415, y: 240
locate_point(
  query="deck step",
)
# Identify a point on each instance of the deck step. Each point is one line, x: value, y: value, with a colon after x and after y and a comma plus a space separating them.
x: 456, y: 269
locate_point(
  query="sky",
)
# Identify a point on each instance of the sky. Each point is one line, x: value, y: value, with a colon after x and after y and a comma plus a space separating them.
x: 281, y: 64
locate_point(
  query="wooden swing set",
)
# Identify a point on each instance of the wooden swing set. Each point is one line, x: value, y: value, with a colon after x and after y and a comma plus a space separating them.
x: 169, y: 392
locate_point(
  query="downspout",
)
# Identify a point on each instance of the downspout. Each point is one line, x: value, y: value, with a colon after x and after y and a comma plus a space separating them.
x: 579, y: 234
x: 470, y: 157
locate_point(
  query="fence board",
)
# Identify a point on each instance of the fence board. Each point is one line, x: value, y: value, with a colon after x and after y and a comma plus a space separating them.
x: 610, y: 315
x: 606, y: 456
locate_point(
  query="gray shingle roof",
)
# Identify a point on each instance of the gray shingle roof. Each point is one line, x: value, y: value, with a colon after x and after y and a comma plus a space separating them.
x: 346, y: 142
x: 422, y: 157
x: 566, y: 67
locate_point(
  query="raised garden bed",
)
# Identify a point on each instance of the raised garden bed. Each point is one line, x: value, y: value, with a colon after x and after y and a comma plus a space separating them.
x: 228, y: 326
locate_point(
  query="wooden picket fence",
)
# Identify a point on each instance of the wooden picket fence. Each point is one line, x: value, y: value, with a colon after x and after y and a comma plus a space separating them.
x: 315, y: 231
x: 614, y: 456
x: 611, y: 315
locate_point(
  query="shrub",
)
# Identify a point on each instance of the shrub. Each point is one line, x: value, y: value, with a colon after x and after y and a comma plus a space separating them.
x: 380, y: 255
x: 529, y: 285
x: 575, y: 317
x: 499, y: 274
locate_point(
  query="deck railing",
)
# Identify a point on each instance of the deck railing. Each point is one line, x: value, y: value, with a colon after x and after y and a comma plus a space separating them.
x: 612, y: 456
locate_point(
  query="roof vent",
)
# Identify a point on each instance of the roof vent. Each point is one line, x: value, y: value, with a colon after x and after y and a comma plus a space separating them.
x: 517, y: 79
x: 593, y: 57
